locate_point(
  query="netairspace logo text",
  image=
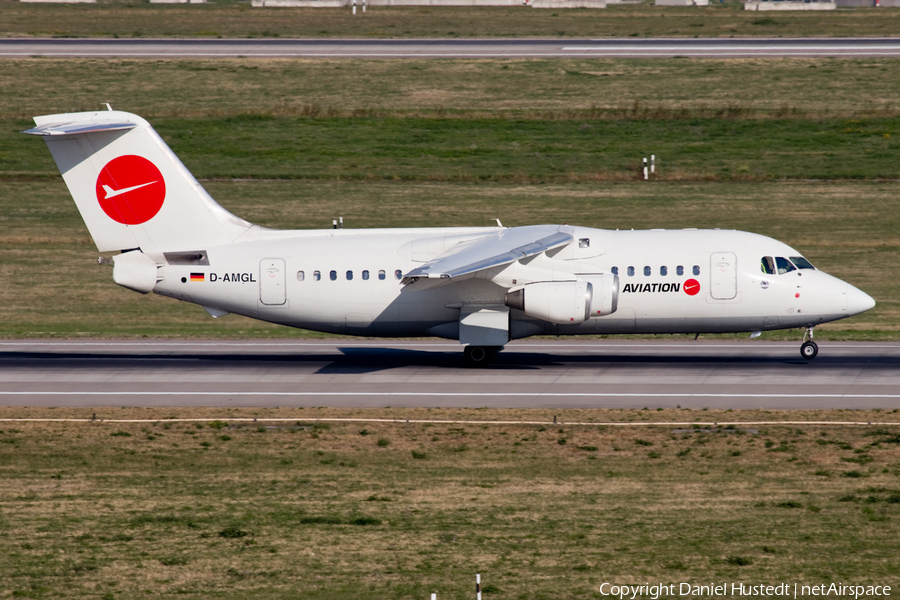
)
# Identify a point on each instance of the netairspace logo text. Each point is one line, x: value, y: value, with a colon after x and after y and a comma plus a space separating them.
x: 784, y: 590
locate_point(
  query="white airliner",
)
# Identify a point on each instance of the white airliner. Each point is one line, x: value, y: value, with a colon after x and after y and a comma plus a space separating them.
x: 483, y: 286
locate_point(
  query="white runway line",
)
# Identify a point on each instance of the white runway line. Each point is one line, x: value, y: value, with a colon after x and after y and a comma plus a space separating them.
x: 733, y: 48
x: 698, y: 53
x: 456, y: 422
x: 444, y: 394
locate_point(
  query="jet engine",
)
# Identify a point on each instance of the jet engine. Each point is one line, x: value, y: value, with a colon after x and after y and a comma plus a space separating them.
x: 567, y: 302
x: 606, y: 293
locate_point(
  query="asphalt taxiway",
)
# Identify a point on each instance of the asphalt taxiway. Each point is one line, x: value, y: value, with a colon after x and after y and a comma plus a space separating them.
x: 561, y: 373
x: 448, y: 48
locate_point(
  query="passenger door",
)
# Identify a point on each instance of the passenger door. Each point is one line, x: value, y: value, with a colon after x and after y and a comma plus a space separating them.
x: 271, y: 281
x: 723, y: 275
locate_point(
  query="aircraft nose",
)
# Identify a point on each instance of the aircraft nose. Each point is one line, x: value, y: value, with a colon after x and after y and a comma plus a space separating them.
x: 858, y: 301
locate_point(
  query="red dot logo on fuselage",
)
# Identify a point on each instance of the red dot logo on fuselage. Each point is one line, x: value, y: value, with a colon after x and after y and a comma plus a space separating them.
x: 131, y: 190
x: 691, y: 287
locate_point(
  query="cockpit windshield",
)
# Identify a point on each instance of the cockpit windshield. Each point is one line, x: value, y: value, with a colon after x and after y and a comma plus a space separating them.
x: 801, y: 262
x: 781, y: 265
x: 784, y: 265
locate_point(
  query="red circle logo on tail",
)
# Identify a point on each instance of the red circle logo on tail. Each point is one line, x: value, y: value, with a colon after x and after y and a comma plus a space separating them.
x: 691, y: 287
x: 131, y: 190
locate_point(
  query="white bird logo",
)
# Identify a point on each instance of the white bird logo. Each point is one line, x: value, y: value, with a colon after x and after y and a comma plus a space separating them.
x: 111, y: 193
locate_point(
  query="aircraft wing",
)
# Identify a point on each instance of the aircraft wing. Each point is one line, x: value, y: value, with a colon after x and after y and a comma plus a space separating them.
x: 504, y: 247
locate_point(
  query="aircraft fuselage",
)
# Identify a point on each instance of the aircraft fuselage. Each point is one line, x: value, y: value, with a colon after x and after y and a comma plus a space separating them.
x: 349, y: 282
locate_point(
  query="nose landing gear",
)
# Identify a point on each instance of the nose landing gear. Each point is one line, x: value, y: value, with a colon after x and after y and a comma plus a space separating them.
x: 809, y: 349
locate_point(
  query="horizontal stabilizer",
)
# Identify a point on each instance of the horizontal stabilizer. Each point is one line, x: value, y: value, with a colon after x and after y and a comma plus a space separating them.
x: 56, y: 129
x: 504, y: 247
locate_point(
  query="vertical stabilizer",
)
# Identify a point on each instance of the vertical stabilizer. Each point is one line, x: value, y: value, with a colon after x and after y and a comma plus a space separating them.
x: 130, y: 188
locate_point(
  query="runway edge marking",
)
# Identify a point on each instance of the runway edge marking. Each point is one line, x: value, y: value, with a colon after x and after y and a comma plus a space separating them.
x: 453, y: 422
x: 447, y: 394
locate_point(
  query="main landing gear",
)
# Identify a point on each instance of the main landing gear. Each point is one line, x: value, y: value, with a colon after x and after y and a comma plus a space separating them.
x: 809, y: 349
x: 481, y: 356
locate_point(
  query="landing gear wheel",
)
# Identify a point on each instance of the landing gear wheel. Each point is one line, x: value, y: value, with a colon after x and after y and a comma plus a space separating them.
x: 809, y: 350
x: 480, y: 356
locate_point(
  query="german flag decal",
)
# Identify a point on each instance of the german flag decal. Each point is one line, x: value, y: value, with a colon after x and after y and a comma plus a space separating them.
x: 198, y: 277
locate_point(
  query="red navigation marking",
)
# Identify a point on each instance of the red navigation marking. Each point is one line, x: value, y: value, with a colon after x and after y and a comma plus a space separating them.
x: 130, y: 189
x: 691, y: 287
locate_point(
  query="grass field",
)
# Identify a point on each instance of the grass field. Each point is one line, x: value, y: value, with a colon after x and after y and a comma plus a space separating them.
x: 237, y: 20
x: 569, y: 89
x: 515, y: 150
x: 373, y: 510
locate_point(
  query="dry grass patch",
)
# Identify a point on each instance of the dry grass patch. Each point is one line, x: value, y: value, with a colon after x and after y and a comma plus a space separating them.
x: 320, y: 512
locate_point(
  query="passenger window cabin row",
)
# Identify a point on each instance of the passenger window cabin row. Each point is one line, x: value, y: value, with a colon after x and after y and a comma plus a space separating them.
x: 333, y: 275
x: 768, y: 265
x: 663, y: 271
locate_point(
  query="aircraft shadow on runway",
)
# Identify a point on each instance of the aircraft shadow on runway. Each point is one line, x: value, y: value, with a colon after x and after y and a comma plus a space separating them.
x: 355, y: 360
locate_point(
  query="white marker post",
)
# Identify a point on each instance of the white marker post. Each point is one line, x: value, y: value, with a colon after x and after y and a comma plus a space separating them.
x: 364, y: 6
x: 652, y: 163
x: 433, y: 596
x: 645, y: 168
x: 478, y: 587
x: 354, y: 7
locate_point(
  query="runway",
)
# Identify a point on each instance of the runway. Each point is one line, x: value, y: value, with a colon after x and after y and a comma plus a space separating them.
x: 450, y: 48
x: 561, y: 373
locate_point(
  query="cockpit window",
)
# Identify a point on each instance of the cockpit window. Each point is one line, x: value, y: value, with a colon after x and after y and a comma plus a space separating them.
x: 801, y: 262
x: 767, y: 265
x: 784, y: 265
